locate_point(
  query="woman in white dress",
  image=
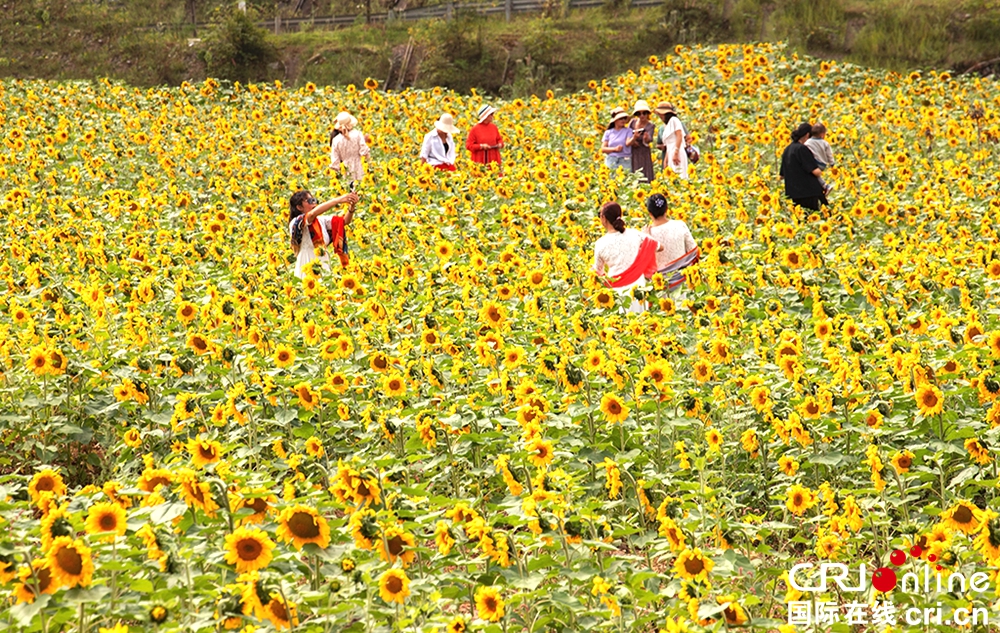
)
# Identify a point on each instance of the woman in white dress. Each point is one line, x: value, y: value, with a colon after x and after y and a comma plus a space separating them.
x: 348, y: 146
x: 672, y: 138
x: 309, y: 229
x: 625, y: 258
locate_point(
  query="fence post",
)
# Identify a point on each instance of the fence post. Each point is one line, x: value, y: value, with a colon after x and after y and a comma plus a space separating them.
x: 449, y: 10
x: 508, y: 6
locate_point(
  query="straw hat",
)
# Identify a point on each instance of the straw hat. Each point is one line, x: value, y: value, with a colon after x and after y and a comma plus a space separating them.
x: 485, y: 111
x: 345, y: 122
x: 640, y: 106
x: 447, y: 124
x: 663, y: 107
x: 618, y: 113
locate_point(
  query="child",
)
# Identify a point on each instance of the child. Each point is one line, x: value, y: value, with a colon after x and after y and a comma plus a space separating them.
x: 822, y: 151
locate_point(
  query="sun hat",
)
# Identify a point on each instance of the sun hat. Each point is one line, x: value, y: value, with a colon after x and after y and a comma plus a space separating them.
x: 618, y: 113
x: 640, y: 106
x: 447, y: 124
x: 663, y: 107
x: 485, y: 111
x: 345, y: 122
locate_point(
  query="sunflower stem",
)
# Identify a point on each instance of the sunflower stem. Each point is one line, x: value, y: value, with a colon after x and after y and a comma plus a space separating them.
x: 114, y: 579
x: 83, y: 623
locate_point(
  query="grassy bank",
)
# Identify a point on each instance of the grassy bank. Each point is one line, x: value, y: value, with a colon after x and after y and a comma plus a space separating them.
x: 61, y: 39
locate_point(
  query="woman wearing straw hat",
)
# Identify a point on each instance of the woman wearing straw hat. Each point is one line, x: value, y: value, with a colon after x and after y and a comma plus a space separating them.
x: 484, y: 141
x: 438, y: 149
x: 642, y: 138
x: 348, y: 145
x: 672, y: 141
x: 616, y: 144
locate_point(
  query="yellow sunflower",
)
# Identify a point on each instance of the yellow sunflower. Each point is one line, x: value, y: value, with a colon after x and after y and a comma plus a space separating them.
x: 613, y: 408
x: 300, y: 524
x: 930, y: 401
x: 204, y: 452
x: 539, y: 452
x: 489, y: 604
x: 394, y: 586
x: 283, y: 355
x: 963, y: 516
x: 280, y: 613
x: 798, y: 499
x: 106, y: 518
x: 692, y: 564
x: 249, y: 549
x: 394, y: 385
x: 46, y: 480
x: 70, y: 562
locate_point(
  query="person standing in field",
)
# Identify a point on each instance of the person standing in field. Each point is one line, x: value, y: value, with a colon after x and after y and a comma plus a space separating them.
x: 642, y: 139
x: 348, y: 146
x: 616, y: 144
x: 484, y: 141
x: 438, y: 149
x: 800, y: 171
x: 672, y: 141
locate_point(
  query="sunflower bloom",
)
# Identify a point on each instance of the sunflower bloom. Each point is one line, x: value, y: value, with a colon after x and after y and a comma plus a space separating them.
x: 301, y: 524
x: 70, y: 562
x: 249, y: 549
x: 394, y: 586
x: 489, y: 604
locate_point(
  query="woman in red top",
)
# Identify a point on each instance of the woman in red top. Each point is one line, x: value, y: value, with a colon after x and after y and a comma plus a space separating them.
x: 483, y: 140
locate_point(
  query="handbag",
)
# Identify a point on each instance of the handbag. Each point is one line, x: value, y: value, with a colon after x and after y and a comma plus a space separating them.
x: 692, y: 153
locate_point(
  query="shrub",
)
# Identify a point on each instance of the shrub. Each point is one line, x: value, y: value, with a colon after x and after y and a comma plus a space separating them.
x: 239, y: 50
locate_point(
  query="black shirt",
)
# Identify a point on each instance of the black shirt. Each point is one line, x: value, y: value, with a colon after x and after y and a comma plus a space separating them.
x: 797, y: 165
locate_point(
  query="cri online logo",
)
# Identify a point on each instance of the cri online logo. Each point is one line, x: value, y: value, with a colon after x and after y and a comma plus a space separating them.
x: 884, y: 579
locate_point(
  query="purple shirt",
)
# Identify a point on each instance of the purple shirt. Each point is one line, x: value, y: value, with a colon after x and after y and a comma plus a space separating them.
x: 614, y: 137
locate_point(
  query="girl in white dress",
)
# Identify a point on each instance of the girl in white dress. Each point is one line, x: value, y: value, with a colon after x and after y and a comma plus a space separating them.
x: 672, y: 135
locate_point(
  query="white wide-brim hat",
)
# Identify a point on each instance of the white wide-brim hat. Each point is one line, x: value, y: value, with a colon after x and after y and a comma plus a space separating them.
x: 485, y: 111
x: 641, y: 106
x: 447, y: 124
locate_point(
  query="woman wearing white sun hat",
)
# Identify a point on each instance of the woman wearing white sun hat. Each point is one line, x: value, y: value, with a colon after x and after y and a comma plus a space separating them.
x: 484, y: 141
x: 348, y: 146
x: 438, y: 149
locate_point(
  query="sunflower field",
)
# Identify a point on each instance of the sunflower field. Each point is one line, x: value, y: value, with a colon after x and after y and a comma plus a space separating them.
x: 461, y: 430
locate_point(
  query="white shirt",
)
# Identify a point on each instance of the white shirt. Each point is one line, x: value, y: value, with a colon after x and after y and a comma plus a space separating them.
x: 676, y: 239
x: 348, y: 149
x: 433, y: 149
x: 616, y: 252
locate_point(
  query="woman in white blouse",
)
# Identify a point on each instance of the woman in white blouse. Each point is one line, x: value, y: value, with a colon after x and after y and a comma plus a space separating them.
x: 348, y: 145
x: 624, y: 257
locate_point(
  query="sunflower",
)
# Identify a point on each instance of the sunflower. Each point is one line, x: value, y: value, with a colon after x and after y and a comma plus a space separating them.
x: 283, y: 355
x: 394, y: 586
x: 613, y: 408
x: 106, y: 518
x: 930, y: 401
x: 493, y: 314
x: 604, y: 299
x: 301, y: 524
x: 186, y: 312
x: 153, y: 478
x: 314, y: 447
x: 132, y: 438
x: 702, y: 370
x: 198, y: 343
x: 457, y: 625
x: 798, y: 499
x: 397, y: 543
x: 672, y: 532
x: 394, y: 385
x: 988, y: 540
x: 204, y: 452
x: 308, y: 397
x: 46, y: 480
x: 249, y: 549
x: 489, y: 604
x: 539, y: 452
x: 714, y: 439
x: 963, y: 516
x: 70, y: 562
x: 692, y: 564
x: 281, y: 613
x: 733, y: 612
x: 34, y: 580
x: 117, y: 628
x: 38, y: 360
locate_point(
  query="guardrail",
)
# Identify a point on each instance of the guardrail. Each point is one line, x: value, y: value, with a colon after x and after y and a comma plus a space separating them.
x: 447, y: 11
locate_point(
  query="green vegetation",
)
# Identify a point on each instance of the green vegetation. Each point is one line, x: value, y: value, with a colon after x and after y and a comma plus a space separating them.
x: 149, y: 43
